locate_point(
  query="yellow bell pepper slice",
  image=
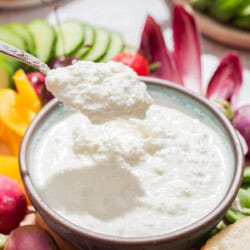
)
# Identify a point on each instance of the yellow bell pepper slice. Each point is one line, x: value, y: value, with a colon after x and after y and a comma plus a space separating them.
x: 27, y: 94
x: 4, y: 149
x: 12, y: 113
x: 10, y: 141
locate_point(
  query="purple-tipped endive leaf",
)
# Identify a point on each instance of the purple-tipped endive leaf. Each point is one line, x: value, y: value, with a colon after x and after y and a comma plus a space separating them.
x: 153, y: 47
x: 187, y: 48
x: 227, y: 79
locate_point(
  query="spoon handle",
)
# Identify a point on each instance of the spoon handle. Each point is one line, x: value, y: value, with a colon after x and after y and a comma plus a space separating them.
x: 23, y: 57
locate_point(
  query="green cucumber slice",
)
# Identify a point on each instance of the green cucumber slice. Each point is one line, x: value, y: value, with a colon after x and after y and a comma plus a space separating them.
x: 99, y: 48
x: 88, y: 42
x: 21, y: 30
x: 8, y: 36
x: 45, y: 39
x: 70, y: 37
x: 6, y: 72
x: 12, y: 63
x: 115, y: 47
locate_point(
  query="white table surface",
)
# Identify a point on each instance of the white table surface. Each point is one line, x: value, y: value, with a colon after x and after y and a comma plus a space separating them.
x: 128, y: 17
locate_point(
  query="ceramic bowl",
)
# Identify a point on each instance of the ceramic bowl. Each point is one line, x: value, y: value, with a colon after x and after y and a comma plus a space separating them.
x: 184, y: 238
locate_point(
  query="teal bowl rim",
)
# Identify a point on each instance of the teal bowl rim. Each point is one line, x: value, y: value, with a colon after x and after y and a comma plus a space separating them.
x: 187, y: 231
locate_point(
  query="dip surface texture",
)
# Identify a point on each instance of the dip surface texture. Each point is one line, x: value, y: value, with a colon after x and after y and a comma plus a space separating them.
x: 131, y: 177
x: 102, y: 91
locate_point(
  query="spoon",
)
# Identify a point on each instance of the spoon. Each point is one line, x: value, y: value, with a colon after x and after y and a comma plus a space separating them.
x: 23, y: 57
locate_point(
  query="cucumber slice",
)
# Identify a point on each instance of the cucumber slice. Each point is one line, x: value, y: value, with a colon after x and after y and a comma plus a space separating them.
x: 45, y: 38
x: 115, y: 47
x: 12, y: 63
x: 21, y: 30
x: 6, y: 72
x: 8, y: 36
x: 70, y: 37
x: 99, y: 48
x: 88, y: 42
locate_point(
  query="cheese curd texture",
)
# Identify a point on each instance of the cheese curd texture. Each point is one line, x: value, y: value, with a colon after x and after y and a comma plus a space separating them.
x: 131, y: 177
x: 102, y: 91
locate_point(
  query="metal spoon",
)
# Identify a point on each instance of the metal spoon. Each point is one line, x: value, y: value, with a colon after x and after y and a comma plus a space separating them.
x: 23, y: 57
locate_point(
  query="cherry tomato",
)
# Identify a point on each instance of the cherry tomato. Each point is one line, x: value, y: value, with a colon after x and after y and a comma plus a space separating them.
x: 135, y: 61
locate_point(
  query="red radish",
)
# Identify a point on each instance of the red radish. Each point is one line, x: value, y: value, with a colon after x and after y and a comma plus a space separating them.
x: 187, y: 48
x: 13, y: 204
x: 30, y: 238
x: 227, y: 79
x: 37, y: 80
x: 153, y: 47
x: 135, y: 61
x: 46, y: 96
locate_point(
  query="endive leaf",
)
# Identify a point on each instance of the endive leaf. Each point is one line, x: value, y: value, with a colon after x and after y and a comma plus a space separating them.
x: 227, y: 79
x: 153, y: 47
x: 187, y: 49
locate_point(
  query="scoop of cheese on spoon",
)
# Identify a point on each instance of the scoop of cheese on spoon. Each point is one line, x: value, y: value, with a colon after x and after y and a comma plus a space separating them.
x: 101, y: 91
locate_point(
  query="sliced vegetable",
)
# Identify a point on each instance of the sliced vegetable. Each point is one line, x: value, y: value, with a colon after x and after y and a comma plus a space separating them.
x: 246, y: 176
x: 187, y: 50
x: 227, y: 79
x: 6, y: 72
x: 244, y: 197
x: 13, y: 205
x: 226, y: 10
x: 70, y: 37
x: 37, y: 81
x: 89, y: 33
x: 26, y: 92
x: 135, y: 61
x: 232, y: 216
x: 12, y: 114
x: 45, y: 38
x: 153, y: 47
x: 100, y: 47
x: 9, y: 36
x: 115, y: 47
x: 241, y: 121
x: 30, y: 238
x: 25, y: 33
x: 243, y: 18
x: 10, y: 139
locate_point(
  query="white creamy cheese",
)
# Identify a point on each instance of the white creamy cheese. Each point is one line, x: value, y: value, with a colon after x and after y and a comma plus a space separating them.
x: 102, y: 91
x: 131, y: 177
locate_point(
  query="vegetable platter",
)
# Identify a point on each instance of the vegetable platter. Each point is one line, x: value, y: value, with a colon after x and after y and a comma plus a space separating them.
x: 23, y: 93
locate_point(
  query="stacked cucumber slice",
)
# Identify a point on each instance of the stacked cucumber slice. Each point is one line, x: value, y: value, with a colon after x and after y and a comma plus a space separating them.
x: 70, y: 38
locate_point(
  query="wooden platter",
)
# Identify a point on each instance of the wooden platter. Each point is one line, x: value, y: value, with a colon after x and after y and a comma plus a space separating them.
x: 219, y: 32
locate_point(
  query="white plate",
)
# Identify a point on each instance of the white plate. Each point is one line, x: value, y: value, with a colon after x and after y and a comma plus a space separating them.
x: 14, y: 4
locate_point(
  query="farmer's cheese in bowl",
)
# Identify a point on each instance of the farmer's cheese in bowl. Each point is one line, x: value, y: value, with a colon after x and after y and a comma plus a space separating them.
x: 159, y: 161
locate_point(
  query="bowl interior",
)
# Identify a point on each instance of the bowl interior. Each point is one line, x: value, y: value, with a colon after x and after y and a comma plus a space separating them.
x: 166, y: 94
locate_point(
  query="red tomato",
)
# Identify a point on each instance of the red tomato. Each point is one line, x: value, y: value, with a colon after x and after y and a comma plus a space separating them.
x: 135, y: 61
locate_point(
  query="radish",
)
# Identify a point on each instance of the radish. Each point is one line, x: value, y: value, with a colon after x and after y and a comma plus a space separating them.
x: 30, y: 238
x: 13, y: 204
